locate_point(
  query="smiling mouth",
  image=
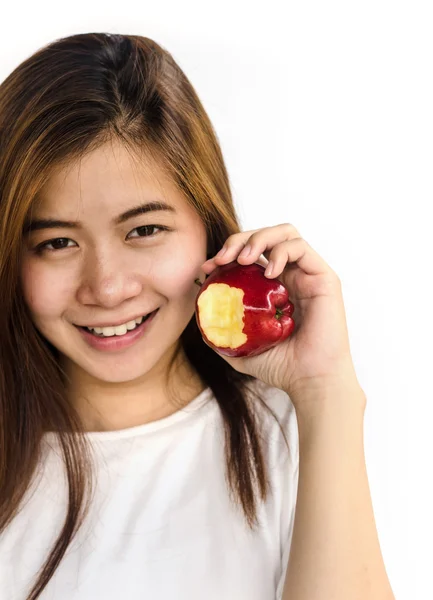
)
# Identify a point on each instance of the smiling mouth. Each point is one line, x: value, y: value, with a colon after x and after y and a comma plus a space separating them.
x: 119, y: 331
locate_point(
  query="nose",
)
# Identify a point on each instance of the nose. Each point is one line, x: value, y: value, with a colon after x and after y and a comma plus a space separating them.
x: 108, y: 280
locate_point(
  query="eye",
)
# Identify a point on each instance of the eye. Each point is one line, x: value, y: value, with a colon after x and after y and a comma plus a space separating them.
x: 56, y: 243
x: 144, y: 229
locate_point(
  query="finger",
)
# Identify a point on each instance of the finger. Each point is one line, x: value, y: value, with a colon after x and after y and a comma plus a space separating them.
x: 237, y: 245
x: 292, y: 251
x: 212, y: 263
x: 300, y: 252
x: 230, y: 250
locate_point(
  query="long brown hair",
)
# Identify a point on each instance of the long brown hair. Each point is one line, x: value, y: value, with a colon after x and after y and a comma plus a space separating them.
x: 62, y: 102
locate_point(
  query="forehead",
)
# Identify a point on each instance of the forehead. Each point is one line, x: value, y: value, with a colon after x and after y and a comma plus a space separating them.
x: 106, y: 181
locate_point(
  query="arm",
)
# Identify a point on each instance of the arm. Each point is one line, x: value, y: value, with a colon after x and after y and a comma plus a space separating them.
x: 335, y: 552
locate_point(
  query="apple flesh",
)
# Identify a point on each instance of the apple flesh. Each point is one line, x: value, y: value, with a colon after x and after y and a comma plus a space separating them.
x: 240, y: 312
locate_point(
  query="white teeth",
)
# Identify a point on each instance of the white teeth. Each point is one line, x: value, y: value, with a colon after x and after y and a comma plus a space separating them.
x: 108, y: 331
x: 118, y: 330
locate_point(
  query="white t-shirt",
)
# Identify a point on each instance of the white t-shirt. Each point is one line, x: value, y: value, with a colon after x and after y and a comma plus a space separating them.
x: 161, y: 524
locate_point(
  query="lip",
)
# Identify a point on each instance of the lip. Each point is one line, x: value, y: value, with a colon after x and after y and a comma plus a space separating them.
x: 115, y: 343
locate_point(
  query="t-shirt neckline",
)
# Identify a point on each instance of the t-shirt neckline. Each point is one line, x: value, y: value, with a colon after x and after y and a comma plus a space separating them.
x: 145, y: 428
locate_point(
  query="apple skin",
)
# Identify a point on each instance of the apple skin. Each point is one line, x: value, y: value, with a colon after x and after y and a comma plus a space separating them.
x: 262, y: 307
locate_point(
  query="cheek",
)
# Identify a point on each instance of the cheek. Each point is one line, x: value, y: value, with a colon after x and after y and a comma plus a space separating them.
x: 45, y: 292
x: 175, y: 278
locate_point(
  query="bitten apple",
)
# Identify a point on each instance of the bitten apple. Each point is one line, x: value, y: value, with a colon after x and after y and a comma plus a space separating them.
x: 240, y: 312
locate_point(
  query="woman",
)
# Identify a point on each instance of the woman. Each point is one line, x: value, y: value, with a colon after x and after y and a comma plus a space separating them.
x: 135, y: 460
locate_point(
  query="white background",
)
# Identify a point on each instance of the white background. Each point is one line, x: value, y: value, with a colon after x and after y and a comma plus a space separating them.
x: 324, y: 111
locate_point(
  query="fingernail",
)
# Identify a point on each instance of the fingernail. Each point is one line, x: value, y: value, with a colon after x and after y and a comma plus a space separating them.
x: 269, y: 268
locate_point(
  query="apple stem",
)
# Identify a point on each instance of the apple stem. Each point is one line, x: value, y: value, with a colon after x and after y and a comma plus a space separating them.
x: 279, y: 313
x: 198, y: 282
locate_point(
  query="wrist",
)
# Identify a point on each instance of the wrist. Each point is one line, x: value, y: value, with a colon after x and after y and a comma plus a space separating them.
x: 321, y: 398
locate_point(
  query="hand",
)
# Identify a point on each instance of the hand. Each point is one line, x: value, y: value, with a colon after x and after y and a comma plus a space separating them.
x: 317, y: 353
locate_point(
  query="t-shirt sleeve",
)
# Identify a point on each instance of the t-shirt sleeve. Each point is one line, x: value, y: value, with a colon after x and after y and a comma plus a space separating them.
x: 284, y: 470
x: 289, y: 494
x: 287, y: 475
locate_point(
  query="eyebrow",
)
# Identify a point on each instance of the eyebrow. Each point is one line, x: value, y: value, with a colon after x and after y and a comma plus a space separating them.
x: 141, y: 209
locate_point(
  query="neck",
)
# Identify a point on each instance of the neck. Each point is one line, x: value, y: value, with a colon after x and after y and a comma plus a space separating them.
x: 106, y: 406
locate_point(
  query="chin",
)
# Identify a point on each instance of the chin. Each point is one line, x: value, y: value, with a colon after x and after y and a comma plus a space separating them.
x: 116, y: 370
x: 118, y: 373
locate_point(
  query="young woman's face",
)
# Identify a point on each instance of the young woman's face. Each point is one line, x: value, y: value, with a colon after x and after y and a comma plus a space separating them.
x: 109, y: 267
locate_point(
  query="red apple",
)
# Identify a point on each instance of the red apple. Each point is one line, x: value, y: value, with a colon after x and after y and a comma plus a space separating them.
x: 240, y: 312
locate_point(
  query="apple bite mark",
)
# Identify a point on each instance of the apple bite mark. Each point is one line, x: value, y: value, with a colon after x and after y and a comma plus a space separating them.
x: 221, y: 314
